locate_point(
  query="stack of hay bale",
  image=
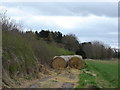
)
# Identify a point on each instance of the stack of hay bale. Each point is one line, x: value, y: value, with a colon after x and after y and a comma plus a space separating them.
x: 73, y: 61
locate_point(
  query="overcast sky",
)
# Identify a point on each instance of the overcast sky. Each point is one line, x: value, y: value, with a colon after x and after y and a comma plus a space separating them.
x: 89, y: 21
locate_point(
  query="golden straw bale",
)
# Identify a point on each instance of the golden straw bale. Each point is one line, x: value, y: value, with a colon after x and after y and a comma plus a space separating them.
x: 59, y: 63
x: 76, y: 62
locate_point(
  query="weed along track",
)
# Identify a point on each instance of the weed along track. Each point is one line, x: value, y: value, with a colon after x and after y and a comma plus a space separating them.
x: 67, y: 78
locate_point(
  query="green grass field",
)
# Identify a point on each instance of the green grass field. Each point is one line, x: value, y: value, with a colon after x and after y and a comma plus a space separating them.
x: 99, y: 73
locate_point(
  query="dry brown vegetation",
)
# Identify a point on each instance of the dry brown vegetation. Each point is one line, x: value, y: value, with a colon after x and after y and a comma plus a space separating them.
x: 66, y: 78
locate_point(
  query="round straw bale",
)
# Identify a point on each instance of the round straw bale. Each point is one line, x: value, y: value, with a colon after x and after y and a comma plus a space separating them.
x: 76, y: 62
x: 59, y: 63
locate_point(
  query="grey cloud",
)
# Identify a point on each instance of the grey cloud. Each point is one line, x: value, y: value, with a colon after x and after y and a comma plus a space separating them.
x: 91, y: 31
x: 109, y: 9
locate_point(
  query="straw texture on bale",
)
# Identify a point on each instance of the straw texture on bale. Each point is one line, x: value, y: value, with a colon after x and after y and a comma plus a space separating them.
x: 73, y: 61
x: 76, y: 62
x: 59, y: 63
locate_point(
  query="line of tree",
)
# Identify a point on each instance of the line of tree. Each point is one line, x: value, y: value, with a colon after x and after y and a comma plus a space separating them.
x: 50, y: 36
x: 93, y: 50
x: 69, y: 41
x: 96, y: 50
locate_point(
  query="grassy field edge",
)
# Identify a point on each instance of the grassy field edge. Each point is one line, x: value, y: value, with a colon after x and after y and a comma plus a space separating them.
x: 99, y: 73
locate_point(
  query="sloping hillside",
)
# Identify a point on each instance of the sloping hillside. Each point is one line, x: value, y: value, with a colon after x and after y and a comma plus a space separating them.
x: 23, y: 54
